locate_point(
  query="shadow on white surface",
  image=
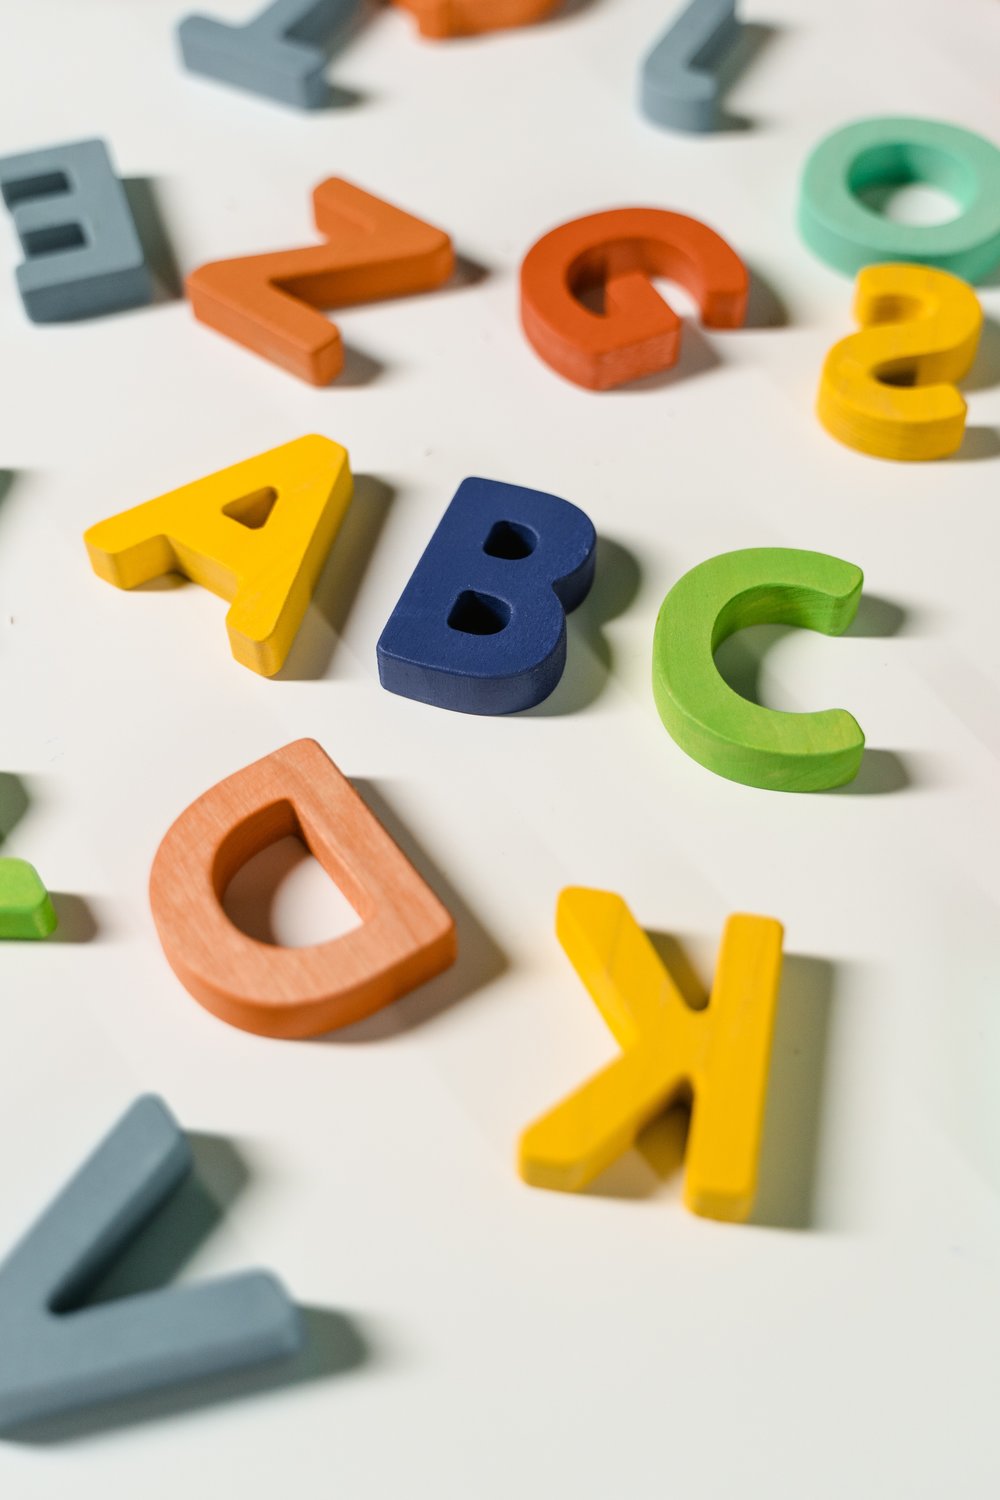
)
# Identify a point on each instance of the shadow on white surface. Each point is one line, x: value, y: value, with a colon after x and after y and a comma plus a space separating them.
x: 565, y: 12
x: 480, y: 960
x: 754, y: 38
x: 144, y: 201
x: 882, y: 771
x: 766, y: 308
x: 14, y: 802
x: 985, y: 372
x: 878, y: 618
x: 77, y: 920
x: 978, y: 442
x: 467, y: 272
x: 358, y: 370
x: 339, y: 581
x: 356, y: 18
x: 164, y: 584
x: 589, y: 658
x: 789, y: 1154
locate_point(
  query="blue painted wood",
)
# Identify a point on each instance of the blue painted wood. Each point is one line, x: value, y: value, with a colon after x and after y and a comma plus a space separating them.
x: 481, y: 625
x: 282, y: 53
x: 82, y: 252
x: 56, y: 1356
x: 679, y: 86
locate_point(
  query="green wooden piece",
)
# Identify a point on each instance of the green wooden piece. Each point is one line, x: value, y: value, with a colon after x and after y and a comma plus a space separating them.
x: 738, y: 739
x: 25, y: 907
x: 844, y: 231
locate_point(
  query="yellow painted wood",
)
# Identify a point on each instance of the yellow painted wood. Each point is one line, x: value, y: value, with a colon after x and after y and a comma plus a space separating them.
x: 889, y: 390
x: 257, y: 534
x: 720, y: 1054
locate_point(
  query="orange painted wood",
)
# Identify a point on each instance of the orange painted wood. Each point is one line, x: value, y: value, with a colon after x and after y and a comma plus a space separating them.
x: 618, y: 251
x: 269, y: 302
x: 406, y: 936
x: 439, y: 19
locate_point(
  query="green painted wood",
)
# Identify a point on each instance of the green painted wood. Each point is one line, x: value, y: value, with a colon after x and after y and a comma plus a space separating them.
x: 738, y: 739
x: 25, y: 907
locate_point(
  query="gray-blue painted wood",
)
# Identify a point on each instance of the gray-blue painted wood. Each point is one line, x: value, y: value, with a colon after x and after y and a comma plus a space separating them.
x: 82, y: 252
x: 54, y: 1360
x: 679, y: 87
x: 282, y: 53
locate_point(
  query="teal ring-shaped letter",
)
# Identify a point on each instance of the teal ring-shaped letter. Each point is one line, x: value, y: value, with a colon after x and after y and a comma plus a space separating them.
x: 841, y: 229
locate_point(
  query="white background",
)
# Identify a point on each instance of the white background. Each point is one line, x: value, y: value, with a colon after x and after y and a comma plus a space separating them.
x: 477, y: 1339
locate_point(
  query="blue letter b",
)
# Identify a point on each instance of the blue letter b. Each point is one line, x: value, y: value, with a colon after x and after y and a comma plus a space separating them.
x: 481, y: 625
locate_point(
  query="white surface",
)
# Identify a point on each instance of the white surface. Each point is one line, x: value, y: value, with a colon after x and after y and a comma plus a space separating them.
x: 520, y: 1343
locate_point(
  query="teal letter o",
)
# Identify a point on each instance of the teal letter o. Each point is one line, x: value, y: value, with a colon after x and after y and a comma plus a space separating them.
x: 842, y: 230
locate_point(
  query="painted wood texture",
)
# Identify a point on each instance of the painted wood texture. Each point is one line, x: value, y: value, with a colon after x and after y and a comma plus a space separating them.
x: 889, y: 390
x: 616, y: 253
x: 842, y: 228
x: 59, y: 1356
x: 406, y: 936
x: 439, y: 19
x: 26, y: 909
x: 83, y: 254
x: 788, y: 752
x: 257, y: 533
x: 680, y: 79
x: 668, y: 1050
x: 281, y: 53
x: 268, y: 303
x: 481, y: 625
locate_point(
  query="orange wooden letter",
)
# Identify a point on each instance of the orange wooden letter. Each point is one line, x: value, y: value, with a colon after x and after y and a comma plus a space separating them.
x: 617, y: 252
x: 406, y: 936
x: 444, y: 18
x: 268, y: 302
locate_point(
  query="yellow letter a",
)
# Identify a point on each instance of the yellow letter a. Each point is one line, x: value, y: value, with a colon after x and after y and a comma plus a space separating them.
x: 722, y: 1054
x: 257, y: 534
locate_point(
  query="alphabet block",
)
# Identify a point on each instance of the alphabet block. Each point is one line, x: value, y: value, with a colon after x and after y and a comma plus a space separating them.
x: 405, y: 938
x: 722, y: 1054
x: 717, y: 727
x: 481, y: 625
x: 439, y: 19
x: 638, y: 333
x: 26, y: 909
x: 257, y: 533
x: 58, y: 1356
x: 888, y: 151
x: 282, y: 53
x: 679, y: 86
x: 268, y: 303
x: 82, y: 252
x: 890, y: 390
